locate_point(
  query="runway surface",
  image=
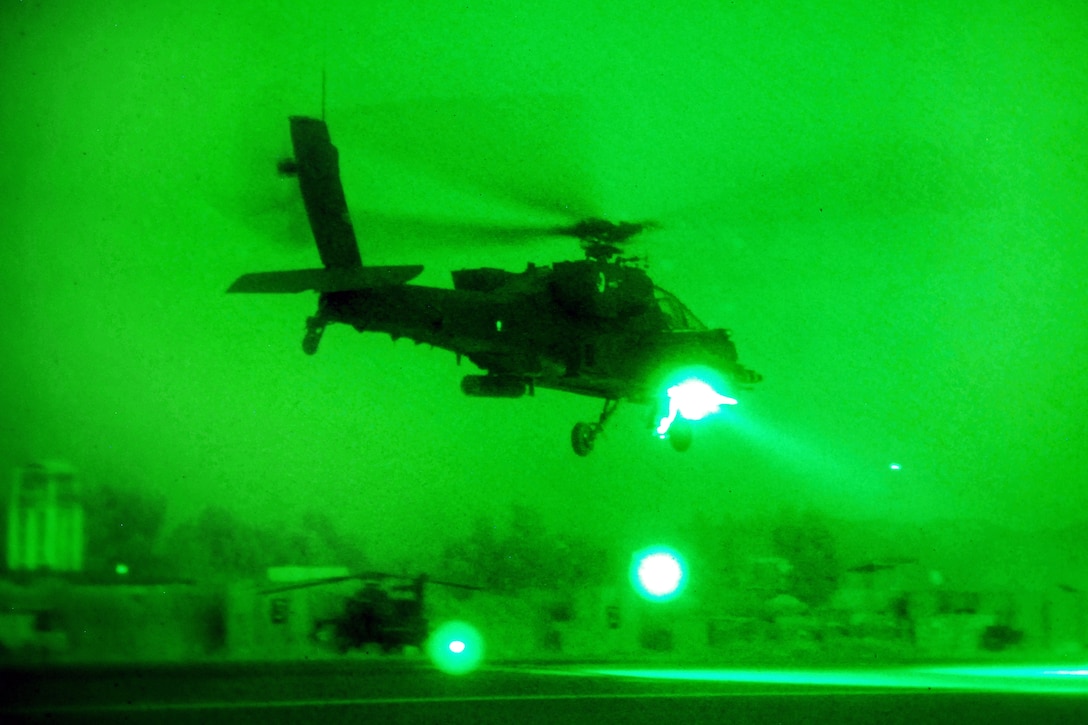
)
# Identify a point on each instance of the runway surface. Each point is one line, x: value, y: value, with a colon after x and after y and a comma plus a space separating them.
x: 380, y: 690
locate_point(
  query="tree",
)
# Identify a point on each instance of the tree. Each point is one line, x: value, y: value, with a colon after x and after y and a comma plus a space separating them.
x: 806, y: 541
x: 525, y: 554
x: 326, y: 544
x: 220, y: 545
x: 475, y: 558
x: 217, y: 545
x: 122, y: 527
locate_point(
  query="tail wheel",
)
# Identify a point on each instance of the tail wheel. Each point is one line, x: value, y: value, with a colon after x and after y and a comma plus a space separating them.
x: 315, y: 328
x: 582, y: 437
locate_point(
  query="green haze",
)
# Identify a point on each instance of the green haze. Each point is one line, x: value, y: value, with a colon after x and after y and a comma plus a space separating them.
x: 883, y: 201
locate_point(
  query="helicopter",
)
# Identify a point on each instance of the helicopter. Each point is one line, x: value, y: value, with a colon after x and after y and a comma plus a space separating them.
x: 388, y: 615
x: 596, y: 326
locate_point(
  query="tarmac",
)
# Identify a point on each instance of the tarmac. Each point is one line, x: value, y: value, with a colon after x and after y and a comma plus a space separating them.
x: 401, y: 690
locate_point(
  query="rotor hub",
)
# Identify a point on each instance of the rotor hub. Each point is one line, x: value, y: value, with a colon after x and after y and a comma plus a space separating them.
x: 601, y: 239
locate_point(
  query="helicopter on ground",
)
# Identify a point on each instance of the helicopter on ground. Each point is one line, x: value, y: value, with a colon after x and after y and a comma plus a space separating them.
x: 389, y: 615
x: 597, y: 326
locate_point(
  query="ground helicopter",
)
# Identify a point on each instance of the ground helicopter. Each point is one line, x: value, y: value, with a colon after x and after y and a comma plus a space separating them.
x: 387, y: 611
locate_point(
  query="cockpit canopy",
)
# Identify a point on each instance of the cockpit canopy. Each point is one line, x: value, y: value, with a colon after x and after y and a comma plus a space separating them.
x: 677, y: 315
x: 605, y: 290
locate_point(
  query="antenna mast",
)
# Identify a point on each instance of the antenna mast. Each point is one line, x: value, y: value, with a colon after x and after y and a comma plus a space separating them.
x: 324, y: 58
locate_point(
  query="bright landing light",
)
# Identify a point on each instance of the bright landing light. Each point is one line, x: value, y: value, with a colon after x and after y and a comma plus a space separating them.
x: 692, y: 399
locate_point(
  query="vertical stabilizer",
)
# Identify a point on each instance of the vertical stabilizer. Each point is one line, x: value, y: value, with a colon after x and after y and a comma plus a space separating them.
x: 317, y: 165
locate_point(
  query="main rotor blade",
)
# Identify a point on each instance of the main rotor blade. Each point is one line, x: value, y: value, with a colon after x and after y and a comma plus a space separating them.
x: 307, y: 584
x: 378, y: 226
x: 528, y: 151
x: 884, y: 178
x: 455, y: 585
x: 361, y: 576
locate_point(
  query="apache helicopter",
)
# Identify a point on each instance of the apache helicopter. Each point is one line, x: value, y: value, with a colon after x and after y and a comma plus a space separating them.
x: 388, y: 615
x: 598, y: 326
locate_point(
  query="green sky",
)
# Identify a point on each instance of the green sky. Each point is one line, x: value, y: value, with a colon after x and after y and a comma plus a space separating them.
x: 884, y: 202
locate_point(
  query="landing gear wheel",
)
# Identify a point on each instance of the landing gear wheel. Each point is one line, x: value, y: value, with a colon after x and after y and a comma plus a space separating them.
x: 309, y: 343
x: 585, y: 434
x: 680, y: 435
x: 582, y: 438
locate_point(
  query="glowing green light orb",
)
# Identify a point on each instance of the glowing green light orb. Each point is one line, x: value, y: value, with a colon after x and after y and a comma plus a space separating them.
x: 455, y: 648
x: 660, y: 574
x: 692, y: 399
x: 895, y: 466
x: 121, y: 569
x: 657, y: 573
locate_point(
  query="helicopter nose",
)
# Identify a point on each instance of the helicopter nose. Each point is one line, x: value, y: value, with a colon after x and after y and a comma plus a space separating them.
x: 725, y: 346
x: 726, y: 358
x: 745, y: 375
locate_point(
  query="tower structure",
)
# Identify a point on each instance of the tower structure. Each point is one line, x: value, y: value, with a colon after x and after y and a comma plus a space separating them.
x: 45, y: 519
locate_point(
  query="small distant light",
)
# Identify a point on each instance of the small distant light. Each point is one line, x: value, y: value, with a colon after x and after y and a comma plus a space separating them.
x: 121, y: 569
x: 498, y: 325
x: 457, y: 646
x: 894, y: 466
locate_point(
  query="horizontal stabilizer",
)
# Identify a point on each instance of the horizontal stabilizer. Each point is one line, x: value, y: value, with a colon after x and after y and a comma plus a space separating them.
x: 334, y: 279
